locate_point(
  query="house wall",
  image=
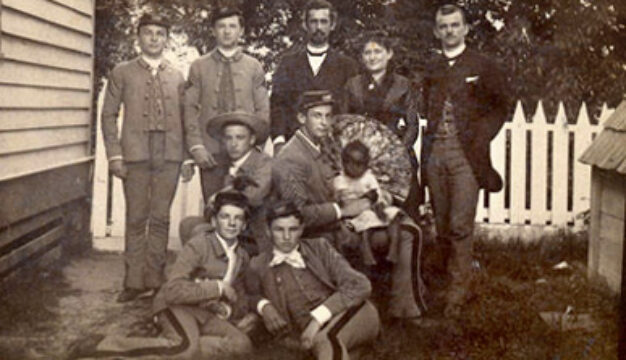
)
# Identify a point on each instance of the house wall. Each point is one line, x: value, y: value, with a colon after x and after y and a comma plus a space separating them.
x: 607, y: 231
x: 46, y: 76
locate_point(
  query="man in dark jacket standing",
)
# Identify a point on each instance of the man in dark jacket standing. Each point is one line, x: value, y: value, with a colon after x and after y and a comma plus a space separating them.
x: 315, y: 66
x: 466, y: 105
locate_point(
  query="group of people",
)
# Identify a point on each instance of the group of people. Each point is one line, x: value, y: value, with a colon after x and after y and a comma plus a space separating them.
x: 284, y: 245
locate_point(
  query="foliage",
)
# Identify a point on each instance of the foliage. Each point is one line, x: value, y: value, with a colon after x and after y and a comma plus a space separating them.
x: 552, y: 50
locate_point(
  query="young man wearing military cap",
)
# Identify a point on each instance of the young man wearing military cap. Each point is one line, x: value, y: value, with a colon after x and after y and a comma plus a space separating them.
x: 224, y: 80
x: 302, y: 173
x: 248, y: 169
x: 148, y: 153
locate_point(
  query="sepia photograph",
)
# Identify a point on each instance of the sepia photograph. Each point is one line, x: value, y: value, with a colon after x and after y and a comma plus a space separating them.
x: 313, y: 179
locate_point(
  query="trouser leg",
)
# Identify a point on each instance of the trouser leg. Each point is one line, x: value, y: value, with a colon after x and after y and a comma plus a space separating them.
x: 179, y: 340
x: 345, y: 331
x: 464, y: 196
x: 163, y: 188
x: 220, y: 337
x: 402, y: 300
x: 136, y: 195
x: 437, y: 179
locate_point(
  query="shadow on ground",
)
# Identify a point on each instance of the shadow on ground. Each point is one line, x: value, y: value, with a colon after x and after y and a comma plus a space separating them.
x: 45, y: 310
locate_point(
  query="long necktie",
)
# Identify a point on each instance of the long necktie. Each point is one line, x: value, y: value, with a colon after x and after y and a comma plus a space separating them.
x: 226, y: 94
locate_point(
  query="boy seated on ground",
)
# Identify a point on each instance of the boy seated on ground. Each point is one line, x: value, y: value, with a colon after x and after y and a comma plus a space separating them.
x: 202, y: 308
x: 305, y: 289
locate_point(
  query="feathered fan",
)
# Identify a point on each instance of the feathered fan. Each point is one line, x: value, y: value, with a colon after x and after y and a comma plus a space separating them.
x: 389, y: 162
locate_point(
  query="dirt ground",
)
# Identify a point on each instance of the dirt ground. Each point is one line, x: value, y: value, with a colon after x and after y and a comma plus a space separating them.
x: 45, y: 310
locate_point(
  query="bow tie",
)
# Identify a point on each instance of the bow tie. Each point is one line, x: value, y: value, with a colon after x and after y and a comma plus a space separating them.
x: 311, y: 53
x: 294, y: 259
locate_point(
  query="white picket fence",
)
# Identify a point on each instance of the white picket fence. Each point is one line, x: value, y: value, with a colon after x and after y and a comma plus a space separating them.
x: 549, y: 196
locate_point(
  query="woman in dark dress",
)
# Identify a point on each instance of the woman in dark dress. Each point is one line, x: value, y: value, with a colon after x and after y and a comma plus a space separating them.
x: 389, y: 98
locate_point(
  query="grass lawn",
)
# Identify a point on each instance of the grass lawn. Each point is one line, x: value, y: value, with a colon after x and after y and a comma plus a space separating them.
x: 515, y: 282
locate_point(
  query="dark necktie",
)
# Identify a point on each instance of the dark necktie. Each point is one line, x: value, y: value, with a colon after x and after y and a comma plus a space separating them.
x: 226, y: 92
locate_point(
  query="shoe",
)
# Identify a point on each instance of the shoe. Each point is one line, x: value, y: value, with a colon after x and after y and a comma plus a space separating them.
x: 84, y: 347
x: 129, y: 294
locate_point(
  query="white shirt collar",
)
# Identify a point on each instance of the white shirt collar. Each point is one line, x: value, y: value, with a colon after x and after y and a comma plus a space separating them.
x: 316, y: 61
x: 227, y: 248
x: 452, y: 54
x: 317, y: 49
x: 234, y: 167
x: 154, y: 63
x: 228, y: 53
x: 308, y: 140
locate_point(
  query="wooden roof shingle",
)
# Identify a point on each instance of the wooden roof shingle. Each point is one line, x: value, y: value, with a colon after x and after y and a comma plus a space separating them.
x: 608, y: 149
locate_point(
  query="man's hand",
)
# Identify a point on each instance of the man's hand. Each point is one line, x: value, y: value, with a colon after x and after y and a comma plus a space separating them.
x: 353, y: 208
x: 186, y: 172
x: 118, y: 168
x: 203, y: 158
x: 274, y: 323
x: 229, y: 293
x: 308, y: 335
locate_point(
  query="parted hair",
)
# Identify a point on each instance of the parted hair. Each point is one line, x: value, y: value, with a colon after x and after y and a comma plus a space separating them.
x: 283, y: 209
x: 317, y: 5
x: 448, y: 9
x: 234, y: 198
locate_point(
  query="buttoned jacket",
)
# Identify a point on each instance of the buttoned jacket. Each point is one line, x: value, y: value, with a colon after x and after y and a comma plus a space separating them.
x: 476, y: 88
x: 399, y: 103
x: 349, y: 286
x: 302, y: 175
x: 203, y: 250
x: 201, y: 93
x: 294, y: 76
x: 129, y: 85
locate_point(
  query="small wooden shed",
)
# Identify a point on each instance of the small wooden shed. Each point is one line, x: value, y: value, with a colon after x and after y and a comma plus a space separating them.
x: 607, y: 235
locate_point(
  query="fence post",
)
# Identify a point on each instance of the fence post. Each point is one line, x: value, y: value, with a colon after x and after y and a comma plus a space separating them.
x: 518, y: 167
x: 560, y: 152
x: 538, y: 170
x: 582, y: 172
x: 497, y: 213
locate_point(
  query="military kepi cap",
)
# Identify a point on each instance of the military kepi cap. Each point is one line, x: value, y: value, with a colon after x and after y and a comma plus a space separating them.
x: 224, y: 12
x: 312, y: 98
x: 153, y: 19
x: 259, y: 127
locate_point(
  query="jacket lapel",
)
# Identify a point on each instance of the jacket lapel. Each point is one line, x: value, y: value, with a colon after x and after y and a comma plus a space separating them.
x: 216, y: 268
x: 316, y: 266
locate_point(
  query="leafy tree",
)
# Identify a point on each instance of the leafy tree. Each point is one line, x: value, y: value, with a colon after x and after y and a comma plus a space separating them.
x: 552, y: 49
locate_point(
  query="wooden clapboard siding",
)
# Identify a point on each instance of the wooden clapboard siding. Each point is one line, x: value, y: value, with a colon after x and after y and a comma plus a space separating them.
x: 33, y: 52
x: 84, y: 7
x: 19, y: 119
x: 53, y: 13
x: 33, y: 194
x: 30, y: 27
x: 42, y: 97
x: 46, y: 78
x: 10, y: 232
x: 15, y: 72
x: 12, y: 142
x: 24, y: 163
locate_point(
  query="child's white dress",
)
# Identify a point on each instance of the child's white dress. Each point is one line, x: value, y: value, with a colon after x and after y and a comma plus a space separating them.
x: 347, y: 188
